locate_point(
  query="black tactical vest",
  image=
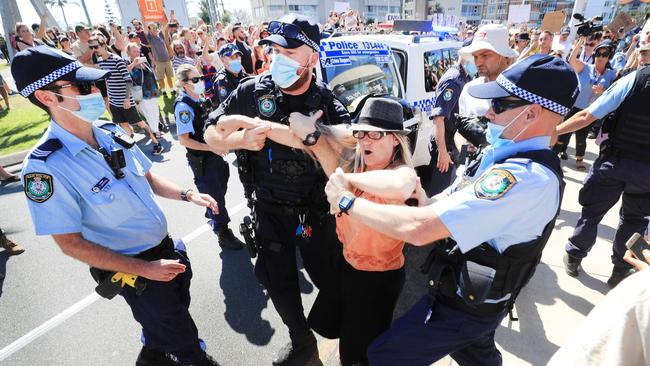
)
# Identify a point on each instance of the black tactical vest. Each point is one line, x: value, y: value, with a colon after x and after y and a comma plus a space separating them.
x: 282, y: 175
x: 201, y: 110
x: 484, y: 281
x: 630, y: 131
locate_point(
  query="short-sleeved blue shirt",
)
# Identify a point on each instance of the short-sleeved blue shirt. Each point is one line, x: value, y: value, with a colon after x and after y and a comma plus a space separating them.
x: 503, y: 204
x: 184, y: 115
x: 612, y: 98
x: 71, y: 189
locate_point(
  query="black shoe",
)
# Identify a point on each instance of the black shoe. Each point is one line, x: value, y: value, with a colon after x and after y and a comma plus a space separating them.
x: 208, y: 361
x: 164, y: 93
x: 572, y: 265
x: 173, y: 92
x: 618, y: 275
x: 591, y: 135
x: 154, y: 357
x: 564, y: 156
x: 157, y: 149
x: 301, y: 354
x: 227, y: 239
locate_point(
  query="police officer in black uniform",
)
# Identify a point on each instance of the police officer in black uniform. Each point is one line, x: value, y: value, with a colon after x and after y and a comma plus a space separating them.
x: 232, y: 73
x: 290, y: 207
x: 622, y: 168
x: 210, y: 171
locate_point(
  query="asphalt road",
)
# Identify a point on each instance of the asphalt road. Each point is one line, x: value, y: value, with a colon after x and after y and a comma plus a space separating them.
x: 233, y: 314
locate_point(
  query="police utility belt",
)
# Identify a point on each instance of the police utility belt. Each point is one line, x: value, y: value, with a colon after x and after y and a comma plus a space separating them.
x: 484, y: 282
x: 110, y: 284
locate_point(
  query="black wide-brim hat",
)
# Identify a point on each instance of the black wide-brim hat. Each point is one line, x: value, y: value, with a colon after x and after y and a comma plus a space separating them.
x: 539, y: 79
x: 381, y: 114
x: 39, y: 66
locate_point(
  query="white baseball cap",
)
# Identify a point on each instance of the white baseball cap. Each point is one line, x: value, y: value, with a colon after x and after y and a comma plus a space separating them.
x: 493, y: 37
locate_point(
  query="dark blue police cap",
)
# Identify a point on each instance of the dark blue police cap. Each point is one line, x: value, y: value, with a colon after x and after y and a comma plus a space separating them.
x: 228, y: 50
x: 39, y: 66
x: 540, y: 79
x: 292, y: 31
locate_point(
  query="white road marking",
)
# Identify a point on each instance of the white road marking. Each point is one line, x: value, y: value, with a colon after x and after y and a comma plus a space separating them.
x: 88, y: 300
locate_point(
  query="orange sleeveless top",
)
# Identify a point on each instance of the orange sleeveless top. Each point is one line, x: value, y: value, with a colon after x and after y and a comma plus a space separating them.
x: 367, y: 249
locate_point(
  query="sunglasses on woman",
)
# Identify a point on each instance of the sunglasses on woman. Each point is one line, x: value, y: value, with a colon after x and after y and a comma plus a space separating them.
x: 500, y: 105
x: 602, y: 54
x: 373, y: 135
x: 196, y: 79
x: 590, y: 44
x: 84, y: 87
x: 95, y: 47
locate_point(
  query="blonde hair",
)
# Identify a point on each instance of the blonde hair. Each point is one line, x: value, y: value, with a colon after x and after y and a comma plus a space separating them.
x: 182, y: 73
x: 351, y: 154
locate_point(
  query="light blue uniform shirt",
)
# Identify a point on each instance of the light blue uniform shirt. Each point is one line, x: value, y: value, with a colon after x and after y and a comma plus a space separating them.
x: 612, y: 98
x: 517, y: 216
x: 85, y: 197
x: 184, y: 115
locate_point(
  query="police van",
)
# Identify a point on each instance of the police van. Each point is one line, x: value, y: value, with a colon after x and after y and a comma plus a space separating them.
x: 421, y: 60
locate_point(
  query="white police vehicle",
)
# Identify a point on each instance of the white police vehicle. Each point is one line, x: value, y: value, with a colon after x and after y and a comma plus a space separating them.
x: 421, y: 61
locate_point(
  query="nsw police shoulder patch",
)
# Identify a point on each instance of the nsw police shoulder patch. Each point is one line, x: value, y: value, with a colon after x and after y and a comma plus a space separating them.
x: 222, y: 91
x: 38, y: 186
x: 267, y: 105
x: 184, y: 116
x: 447, y: 94
x: 494, y: 184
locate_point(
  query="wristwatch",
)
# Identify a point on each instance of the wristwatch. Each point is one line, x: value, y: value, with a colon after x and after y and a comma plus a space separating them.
x: 184, y: 193
x: 311, y: 139
x: 345, y: 202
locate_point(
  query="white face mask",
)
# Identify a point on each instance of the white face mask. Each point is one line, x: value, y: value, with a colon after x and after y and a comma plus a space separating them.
x: 199, y: 88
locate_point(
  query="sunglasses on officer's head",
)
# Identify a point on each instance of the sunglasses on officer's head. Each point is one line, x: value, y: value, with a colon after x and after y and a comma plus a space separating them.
x: 373, y: 135
x: 500, y: 105
x: 84, y: 87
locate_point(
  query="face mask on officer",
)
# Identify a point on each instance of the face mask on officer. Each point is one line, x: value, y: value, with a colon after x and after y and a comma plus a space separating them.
x: 284, y: 70
x: 234, y: 66
x: 199, y: 88
x: 495, y: 131
x: 91, y: 106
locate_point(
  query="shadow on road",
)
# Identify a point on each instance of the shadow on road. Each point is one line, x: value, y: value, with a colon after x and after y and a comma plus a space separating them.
x: 530, y: 342
x: 244, y: 298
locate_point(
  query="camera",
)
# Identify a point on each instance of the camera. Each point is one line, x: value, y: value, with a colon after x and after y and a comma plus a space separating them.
x: 588, y: 27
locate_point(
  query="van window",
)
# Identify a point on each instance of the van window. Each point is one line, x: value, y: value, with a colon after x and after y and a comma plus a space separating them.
x: 358, y: 69
x: 400, y: 58
x: 435, y: 64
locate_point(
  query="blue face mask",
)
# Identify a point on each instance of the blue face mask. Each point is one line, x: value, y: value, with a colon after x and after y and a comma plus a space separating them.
x: 494, y: 131
x: 284, y: 70
x: 91, y: 106
x: 234, y: 66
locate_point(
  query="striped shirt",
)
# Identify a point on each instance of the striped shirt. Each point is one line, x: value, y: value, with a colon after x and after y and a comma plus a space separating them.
x: 117, y: 80
x: 178, y: 61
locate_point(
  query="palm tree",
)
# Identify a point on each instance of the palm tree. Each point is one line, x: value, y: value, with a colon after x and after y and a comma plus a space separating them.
x: 83, y: 5
x: 61, y: 4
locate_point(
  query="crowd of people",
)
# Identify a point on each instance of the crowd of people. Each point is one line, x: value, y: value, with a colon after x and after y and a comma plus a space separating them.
x: 352, y: 214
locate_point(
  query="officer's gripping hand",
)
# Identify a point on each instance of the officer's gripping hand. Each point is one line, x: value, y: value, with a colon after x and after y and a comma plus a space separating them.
x: 638, y: 264
x: 302, y: 125
x: 336, y: 186
x: 204, y: 200
x: 253, y: 139
x: 163, y: 270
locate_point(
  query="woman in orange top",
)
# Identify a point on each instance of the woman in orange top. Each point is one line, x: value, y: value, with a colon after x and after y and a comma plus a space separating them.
x: 372, y: 272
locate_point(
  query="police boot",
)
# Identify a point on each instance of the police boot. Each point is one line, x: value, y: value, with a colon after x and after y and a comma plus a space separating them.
x: 9, y: 246
x: 304, y: 352
x: 572, y: 265
x: 227, y: 239
x: 618, y: 275
x: 154, y: 357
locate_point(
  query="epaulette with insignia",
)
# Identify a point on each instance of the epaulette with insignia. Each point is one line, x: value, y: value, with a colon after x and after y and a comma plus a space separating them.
x: 44, y: 150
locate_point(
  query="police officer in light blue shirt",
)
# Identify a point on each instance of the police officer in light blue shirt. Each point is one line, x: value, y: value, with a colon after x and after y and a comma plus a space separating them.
x: 622, y: 168
x: 489, y: 228
x: 91, y: 188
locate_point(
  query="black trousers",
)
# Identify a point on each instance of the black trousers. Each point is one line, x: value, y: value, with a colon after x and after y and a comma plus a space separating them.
x: 360, y: 312
x: 276, y: 266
